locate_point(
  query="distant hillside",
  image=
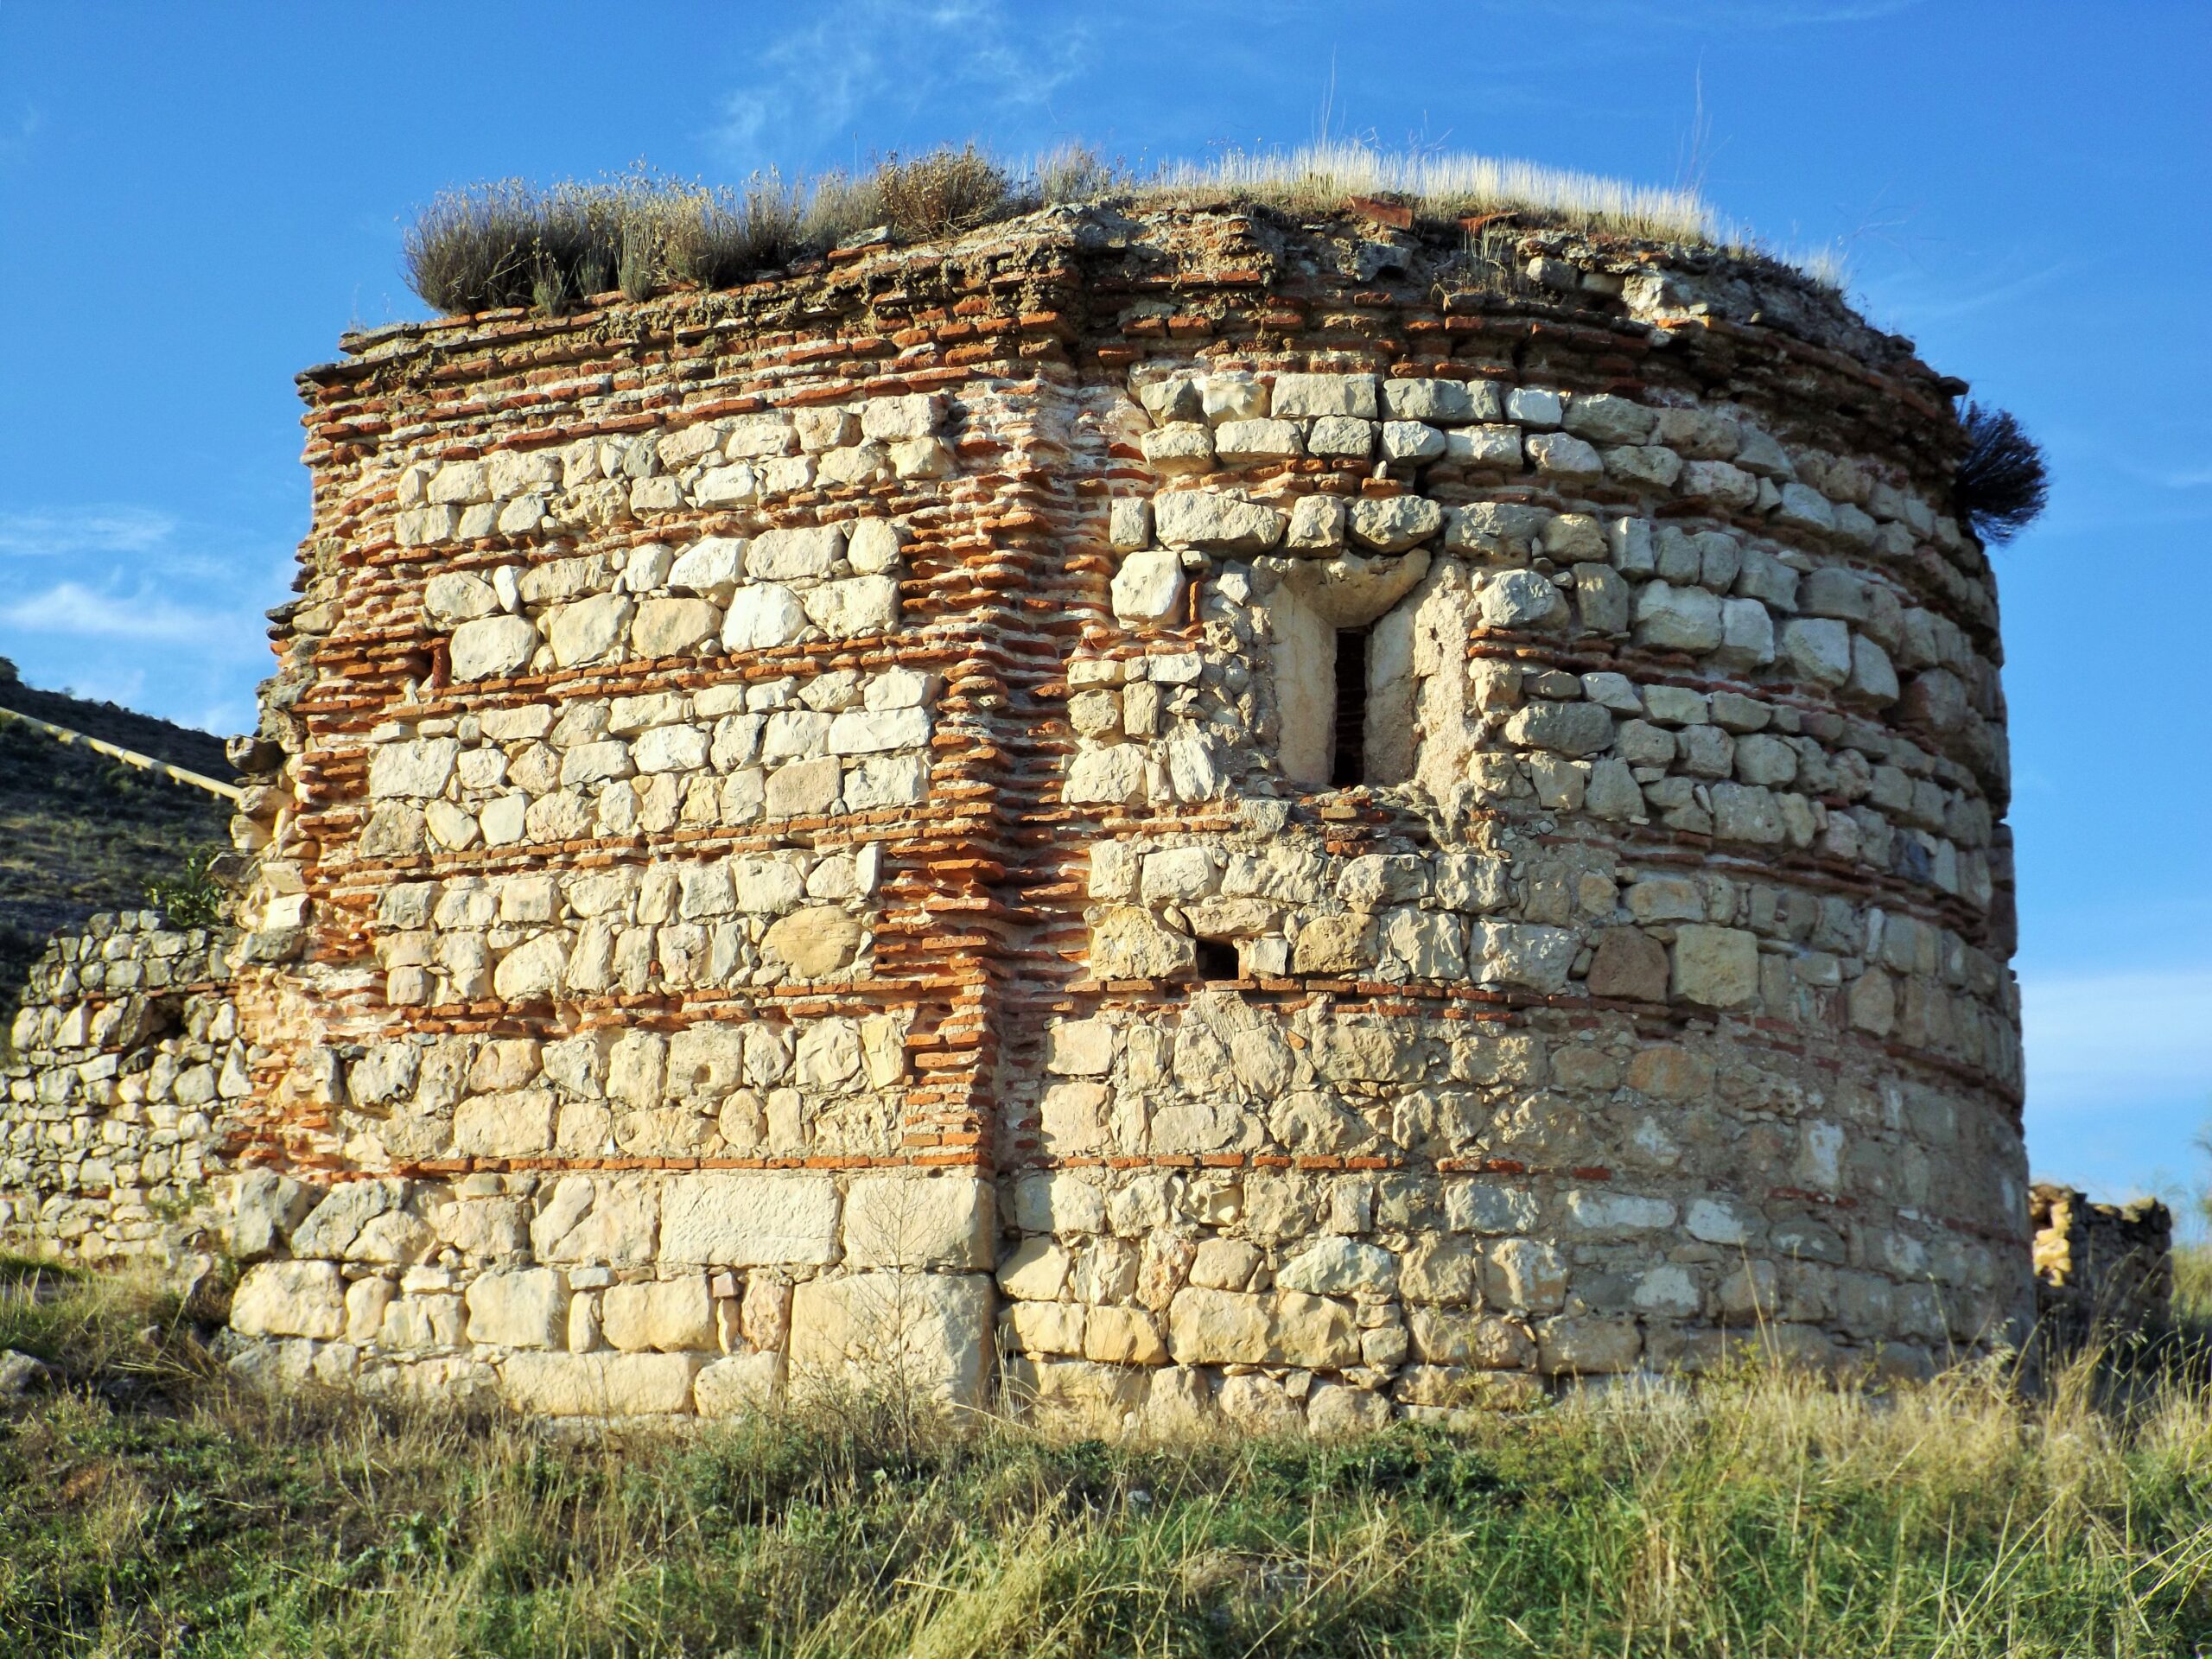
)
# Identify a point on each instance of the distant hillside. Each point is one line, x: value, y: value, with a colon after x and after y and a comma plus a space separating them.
x: 80, y: 833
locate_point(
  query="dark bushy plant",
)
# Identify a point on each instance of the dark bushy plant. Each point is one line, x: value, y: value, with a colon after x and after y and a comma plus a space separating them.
x: 2003, y: 483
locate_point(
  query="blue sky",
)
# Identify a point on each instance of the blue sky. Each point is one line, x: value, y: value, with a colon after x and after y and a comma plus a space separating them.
x: 195, y: 201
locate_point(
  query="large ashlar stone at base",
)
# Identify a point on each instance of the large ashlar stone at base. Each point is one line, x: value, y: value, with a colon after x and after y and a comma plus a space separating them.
x: 491, y: 646
x: 599, y: 1385
x: 527, y: 1308
x: 926, y: 1331
x: 905, y: 1221
x: 749, y: 1219
x: 290, y: 1299
x: 740, y: 1384
x: 1227, y: 1327
x: 673, y: 1315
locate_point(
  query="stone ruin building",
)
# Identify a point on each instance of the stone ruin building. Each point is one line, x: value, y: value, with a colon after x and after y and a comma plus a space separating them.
x: 1154, y: 814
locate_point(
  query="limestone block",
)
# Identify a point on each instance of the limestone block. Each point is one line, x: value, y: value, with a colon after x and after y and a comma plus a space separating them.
x: 1218, y: 1327
x: 462, y: 483
x: 599, y: 1385
x: 872, y: 731
x: 1410, y: 443
x: 1444, y: 402
x: 533, y: 970
x: 1628, y: 963
x: 749, y: 1219
x: 1716, y: 966
x: 527, y: 1307
x: 265, y: 1205
x: 1080, y: 1048
x: 1574, y: 729
x: 929, y: 1332
x: 1071, y: 1118
x: 334, y: 1224
x: 854, y: 606
x: 814, y: 942
x: 892, y: 419
x: 1521, y: 953
x: 289, y: 1298
x: 1454, y: 1338
x: 674, y: 627
x: 1720, y: 483
x: 1178, y: 449
x: 739, y: 1385
x: 1349, y: 591
x: 872, y: 547
x: 762, y: 435
x: 1560, y: 456
x: 1257, y: 441
x: 1872, y: 675
x: 1122, y: 1336
x: 613, y: 1221
x: 1604, y: 418
x: 1523, y: 1274
x: 518, y: 1125
x: 1336, y: 1412
x: 761, y: 617
x: 1521, y: 599
x: 1677, y: 619
x: 795, y: 555
x: 589, y: 630
x: 1128, y: 523
x: 935, y: 1222
x: 416, y: 770
x: 726, y: 487
x: 1207, y: 518
x: 1338, y: 943
x: 1316, y: 522
x: 1394, y: 523
x: 1746, y: 634
x: 671, y: 1315
x: 455, y: 596
x: 1337, y: 1266
x: 1047, y: 1327
x: 1148, y: 587
x: 1303, y: 396
x: 1234, y: 395
x: 1588, y: 1346
x: 1126, y: 943
x: 1817, y: 649
x: 1803, y: 507
x: 1114, y: 774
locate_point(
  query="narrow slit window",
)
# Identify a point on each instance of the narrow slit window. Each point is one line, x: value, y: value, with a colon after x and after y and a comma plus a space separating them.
x: 1348, y: 755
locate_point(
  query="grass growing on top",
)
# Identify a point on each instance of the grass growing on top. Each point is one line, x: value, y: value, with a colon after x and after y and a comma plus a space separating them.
x: 512, y: 244
x: 1767, y: 1514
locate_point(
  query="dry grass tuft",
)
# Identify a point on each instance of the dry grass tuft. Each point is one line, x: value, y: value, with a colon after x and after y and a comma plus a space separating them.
x: 1766, y: 1512
x: 511, y: 243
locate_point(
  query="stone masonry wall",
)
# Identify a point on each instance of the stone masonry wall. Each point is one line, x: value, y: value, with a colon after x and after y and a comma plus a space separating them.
x: 2100, y: 1268
x: 799, y: 831
x: 125, y: 1062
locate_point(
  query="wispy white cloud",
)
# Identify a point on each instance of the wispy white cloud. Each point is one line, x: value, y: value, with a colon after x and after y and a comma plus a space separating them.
x: 858, y: 60
x: 73, y: 609
x: 2103, y: 1042
x: 97, y: 530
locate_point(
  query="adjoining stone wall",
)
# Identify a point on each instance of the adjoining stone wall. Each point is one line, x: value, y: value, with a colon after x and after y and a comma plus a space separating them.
x: 125, y: 1063
x: 794, y: 838
x: 2100, y: 1268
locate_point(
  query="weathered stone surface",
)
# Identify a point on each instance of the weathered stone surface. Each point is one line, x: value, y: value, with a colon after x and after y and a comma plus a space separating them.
x: 1717, y: 966
x: 289, y: 1298
x: 944, y: 1221
x: 1206, y: 518
x: 930, y: 1331
x: 815, y: 941
x: 672, y: 1315
x: 525, y: 1308
x: 599, y: 1385
x: 749, y: 1219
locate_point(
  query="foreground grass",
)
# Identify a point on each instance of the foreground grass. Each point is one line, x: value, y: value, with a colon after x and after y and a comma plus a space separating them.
x: 148, y: 1507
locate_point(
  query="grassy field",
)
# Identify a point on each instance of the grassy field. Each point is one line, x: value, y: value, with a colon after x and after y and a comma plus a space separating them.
x: 147, y: 1507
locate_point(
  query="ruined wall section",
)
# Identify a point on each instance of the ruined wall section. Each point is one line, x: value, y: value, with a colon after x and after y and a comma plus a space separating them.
x: 2102, y: 1270
x: 629, y: 841
x: 125, y: 1071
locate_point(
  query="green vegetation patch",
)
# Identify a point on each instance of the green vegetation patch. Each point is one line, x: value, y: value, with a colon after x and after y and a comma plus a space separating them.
x: 146, y: 1507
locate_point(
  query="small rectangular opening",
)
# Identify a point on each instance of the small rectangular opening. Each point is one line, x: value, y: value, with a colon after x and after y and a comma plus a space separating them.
x: 1218, y: 959
x: 1348, y: 755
